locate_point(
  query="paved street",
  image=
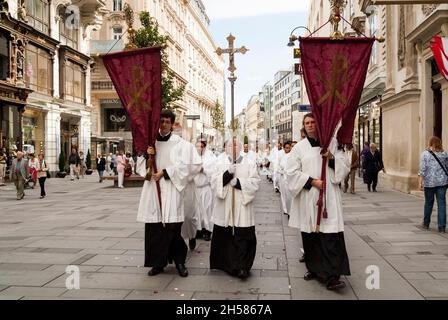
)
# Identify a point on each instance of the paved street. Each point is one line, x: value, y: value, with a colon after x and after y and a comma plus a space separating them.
x: 93, y: 226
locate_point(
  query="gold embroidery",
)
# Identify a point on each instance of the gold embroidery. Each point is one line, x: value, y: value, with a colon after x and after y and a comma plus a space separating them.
x: 137, y: 90
x: 339, y: 77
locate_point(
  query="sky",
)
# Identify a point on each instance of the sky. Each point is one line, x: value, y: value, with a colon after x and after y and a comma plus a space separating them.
x: 262, y: 26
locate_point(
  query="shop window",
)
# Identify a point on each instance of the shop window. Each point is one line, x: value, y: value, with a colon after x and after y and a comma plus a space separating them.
x: 74, y: 82
x: 38, y: 73
x: 115, y: 120
x: 4, y: 57
x: 37, y: 14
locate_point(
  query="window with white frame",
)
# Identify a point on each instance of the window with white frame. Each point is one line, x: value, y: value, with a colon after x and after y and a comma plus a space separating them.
x: 118, y: 5
x: 117, y: 32
x: 373, y: 32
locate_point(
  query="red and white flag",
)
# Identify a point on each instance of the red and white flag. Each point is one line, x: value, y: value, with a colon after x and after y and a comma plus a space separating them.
x: 440, y: 50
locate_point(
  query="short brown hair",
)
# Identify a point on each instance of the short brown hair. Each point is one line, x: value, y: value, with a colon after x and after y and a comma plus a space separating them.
x: 435, y: 143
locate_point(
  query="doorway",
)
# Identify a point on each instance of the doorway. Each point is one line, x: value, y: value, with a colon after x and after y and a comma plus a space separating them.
x: 437, y: 105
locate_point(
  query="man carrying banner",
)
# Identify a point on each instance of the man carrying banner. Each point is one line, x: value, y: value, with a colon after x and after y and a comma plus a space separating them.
x: 325, y: 254
x: 176, y: 160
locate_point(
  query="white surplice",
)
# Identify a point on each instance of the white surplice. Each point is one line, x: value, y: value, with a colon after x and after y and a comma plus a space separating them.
x: 243, y: 215
x: 203, y: 191
x: 180, y: 160
x: 304, y: 162
x: 285, y: 195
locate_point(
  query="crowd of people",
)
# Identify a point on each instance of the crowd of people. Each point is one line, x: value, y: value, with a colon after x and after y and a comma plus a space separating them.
x: 197, y: 193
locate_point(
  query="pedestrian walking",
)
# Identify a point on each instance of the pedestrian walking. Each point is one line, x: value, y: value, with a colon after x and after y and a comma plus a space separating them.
x: 109, y: 165
x: 325, y: 253
x: 131, y: 161
x: 19, y: 174
x: 121, y: 164
x: 163, y: 239
x: 100, y: 166
x: 373, y: 164
x: 433, y: 179
x: 235, y: 183
x: 42, y: 171
x: 32, y: 165
x: 353, y: 157
x: 74, y: 161
x: 3, y: 160
x: 82, y: 164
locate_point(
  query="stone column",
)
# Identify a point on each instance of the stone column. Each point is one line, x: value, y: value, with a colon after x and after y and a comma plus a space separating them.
x: 391, y: 43
x: 84, y: 131
x: 444, y: 113
x: 53, y: 137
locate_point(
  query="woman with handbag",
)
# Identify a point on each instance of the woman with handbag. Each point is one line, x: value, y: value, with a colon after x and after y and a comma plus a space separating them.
x: 42, y: 172
x: 433, y: 179
x: 372, y: 164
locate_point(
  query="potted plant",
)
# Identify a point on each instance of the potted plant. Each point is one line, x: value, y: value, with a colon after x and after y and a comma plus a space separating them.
x: 88, y: 163
x: 61, y: 173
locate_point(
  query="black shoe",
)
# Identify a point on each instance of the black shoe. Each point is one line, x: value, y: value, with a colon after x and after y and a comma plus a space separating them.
x: 425, y: 226
x: 154, y: 271
x: 183, y: 272
x: 335, y: 284
x: 243, y: 274
x: 277, y: 190
x: 302, y: 259
x: 192, y: 244
x: 309, y: 276
x: 442, y: 229
x: 207, y: 236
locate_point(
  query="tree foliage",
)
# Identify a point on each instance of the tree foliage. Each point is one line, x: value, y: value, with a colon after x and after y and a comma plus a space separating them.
x: 148, y: 36
x: 218, y: 117
x: 61, y: 162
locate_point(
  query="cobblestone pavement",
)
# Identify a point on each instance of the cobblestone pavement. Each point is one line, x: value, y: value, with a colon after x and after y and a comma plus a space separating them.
x: 93, y: 226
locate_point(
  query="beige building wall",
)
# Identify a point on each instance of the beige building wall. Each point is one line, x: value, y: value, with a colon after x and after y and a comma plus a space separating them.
x: 252, y: 119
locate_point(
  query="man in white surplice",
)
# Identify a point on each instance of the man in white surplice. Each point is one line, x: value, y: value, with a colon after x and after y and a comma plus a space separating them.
x: 274, y: 158
x: 234, y: 243
x: 325, y: 252
x: 285, y: 195
x: 176, y: 160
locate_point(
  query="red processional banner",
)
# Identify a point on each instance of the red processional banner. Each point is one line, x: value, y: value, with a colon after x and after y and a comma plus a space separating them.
x: 137, y: 77
x: 334, y: 72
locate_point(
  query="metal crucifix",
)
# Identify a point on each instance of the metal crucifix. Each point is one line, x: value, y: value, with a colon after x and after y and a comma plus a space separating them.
x: 231, y: 51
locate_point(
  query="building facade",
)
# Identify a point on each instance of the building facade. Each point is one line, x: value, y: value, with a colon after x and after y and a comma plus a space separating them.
x: 45, y: 75
x: 282, y: 105
x: 192, y: 57
x: 254, y: 120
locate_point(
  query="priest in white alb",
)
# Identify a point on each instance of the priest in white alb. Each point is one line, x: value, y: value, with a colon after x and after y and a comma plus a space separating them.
x: 325, y: 253
x: 176, y: 160
x: 234, y: 184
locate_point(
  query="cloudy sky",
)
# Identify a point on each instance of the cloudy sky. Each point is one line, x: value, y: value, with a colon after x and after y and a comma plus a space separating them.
x: 263, y: 26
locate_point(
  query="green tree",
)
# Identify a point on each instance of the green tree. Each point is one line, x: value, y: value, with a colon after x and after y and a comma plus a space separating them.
x: 148, y: 36
x: 218, y: 117
x: 88, y: 160
x: 236, y: 123
x: 61, y: 162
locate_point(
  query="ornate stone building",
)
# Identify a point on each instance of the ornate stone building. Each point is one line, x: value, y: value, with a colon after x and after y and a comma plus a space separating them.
x: 45, y: 75
x: 415, y: 97
x: 191, y: 51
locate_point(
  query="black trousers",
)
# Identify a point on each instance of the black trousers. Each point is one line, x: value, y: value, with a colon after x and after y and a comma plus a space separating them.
x: 42, y: 186
x: 372, y: 179
x: 163, y: 244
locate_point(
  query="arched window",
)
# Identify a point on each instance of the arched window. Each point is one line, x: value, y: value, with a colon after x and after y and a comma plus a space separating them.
x: 37, y: 13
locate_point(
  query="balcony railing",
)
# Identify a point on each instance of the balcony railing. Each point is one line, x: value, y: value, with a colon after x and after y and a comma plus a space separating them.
x: 102, y: 85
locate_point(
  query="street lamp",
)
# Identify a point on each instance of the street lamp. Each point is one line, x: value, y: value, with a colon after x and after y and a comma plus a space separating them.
x: 293, y: 38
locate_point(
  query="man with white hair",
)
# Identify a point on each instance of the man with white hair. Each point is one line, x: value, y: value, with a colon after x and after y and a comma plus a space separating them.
x: 19, y: 174
x: 234, y: 184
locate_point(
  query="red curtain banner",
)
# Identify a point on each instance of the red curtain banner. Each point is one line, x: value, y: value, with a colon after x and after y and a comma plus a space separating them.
x: 137, y: 77
x: 439, y: 48
x: 334, y: 72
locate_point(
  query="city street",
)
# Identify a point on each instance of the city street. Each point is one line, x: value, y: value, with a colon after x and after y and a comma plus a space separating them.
x: 93, y: 226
